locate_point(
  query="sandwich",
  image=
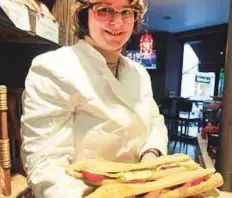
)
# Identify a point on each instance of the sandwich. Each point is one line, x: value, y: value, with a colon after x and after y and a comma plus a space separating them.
x: 183, y: 184
x: 99, y: 172
x: 170, y: 176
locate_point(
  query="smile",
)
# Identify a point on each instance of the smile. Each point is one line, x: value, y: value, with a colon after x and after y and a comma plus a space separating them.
x: 114, y: 33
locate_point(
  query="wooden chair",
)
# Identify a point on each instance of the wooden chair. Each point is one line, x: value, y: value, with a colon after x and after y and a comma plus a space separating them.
x: 14, y: 180
x: 185, y: 106
x: 166, y: 108
x: 182, y: 135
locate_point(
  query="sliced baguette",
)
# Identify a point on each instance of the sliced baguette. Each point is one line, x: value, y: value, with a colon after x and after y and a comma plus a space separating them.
x: 120, y: 190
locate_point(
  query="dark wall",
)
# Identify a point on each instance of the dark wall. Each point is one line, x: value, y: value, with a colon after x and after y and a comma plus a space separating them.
x: 173, y: 65
x: 213, y: 41
x: 169, y: 55
x: 169, y: 49
x: 15, y: 60
x: 157, y: 75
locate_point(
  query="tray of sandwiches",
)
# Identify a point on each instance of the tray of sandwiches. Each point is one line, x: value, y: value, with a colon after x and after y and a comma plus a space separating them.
x: 170, y: 176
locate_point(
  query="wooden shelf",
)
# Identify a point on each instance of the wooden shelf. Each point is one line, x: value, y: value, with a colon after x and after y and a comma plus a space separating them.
x: 10, y: 33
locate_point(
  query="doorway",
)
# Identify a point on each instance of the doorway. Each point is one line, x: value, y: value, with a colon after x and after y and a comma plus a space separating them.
x: 195, y: 85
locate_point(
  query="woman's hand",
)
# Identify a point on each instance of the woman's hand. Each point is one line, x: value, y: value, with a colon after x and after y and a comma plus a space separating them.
x: 148, y: 157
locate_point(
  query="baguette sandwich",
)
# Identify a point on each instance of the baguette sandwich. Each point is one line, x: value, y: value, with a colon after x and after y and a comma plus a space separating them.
x: 170, y: 176
x: 99, y: 172
x: 184, y: 184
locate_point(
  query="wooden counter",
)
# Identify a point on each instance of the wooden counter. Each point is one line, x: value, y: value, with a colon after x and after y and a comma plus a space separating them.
x: 205, y: 159
x: 207, y: 162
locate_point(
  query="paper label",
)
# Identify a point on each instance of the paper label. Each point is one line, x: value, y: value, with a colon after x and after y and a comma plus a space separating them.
x: 47, y: 28
x: 17, y: 13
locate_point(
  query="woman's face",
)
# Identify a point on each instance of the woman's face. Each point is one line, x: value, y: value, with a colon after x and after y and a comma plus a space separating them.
x: 109, y: 29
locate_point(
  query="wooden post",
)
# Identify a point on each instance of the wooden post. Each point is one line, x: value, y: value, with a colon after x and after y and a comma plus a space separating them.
x: 224, y: 158
x: 4, y: 141
x: 62, y: 12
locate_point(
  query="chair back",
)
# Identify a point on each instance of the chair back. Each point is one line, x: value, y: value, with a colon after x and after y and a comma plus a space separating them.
x: 5, y: 161
x: 184, y: 105
x: 167, y: 103
x: 14, y: 114
x: 10, y: 140
x: 166, y: 106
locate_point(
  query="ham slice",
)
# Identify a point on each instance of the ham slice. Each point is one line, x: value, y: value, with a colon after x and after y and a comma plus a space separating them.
x: 196, y: 181
x: 93, y: 178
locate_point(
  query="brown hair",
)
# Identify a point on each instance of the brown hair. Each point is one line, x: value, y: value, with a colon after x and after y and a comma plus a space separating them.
x: 80, y: 15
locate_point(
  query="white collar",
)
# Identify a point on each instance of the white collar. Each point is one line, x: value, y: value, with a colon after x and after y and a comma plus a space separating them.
x: 92, y: 52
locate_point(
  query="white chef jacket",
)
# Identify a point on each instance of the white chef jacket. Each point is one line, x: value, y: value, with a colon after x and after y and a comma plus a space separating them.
x: 74, y: 108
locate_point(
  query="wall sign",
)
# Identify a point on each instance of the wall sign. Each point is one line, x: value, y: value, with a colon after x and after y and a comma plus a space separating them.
x: 203, y: 79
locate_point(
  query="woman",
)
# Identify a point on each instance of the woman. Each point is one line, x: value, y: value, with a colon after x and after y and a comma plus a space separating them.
x: 89, y: 101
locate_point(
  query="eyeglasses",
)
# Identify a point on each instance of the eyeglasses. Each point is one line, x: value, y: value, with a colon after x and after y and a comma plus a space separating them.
x: 105, y: 12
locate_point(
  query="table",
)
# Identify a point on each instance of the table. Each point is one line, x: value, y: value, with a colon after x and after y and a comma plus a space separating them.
x: 207, y: 162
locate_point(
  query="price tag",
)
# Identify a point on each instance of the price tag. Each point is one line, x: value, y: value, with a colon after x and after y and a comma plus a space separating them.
x: 47, y: 28
x: 17, y: 13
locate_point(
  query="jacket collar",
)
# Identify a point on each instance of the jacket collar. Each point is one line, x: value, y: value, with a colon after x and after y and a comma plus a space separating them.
x: 91, y: 51
x: 101, y: 67
x: 119, y: 90
x: 94, y: 53
x: 110, y: 56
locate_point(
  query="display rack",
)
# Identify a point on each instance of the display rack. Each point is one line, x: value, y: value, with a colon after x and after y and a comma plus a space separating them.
x: 10, y: 33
